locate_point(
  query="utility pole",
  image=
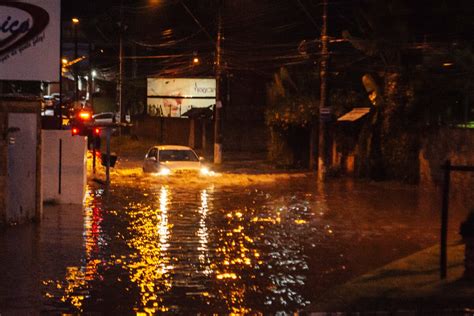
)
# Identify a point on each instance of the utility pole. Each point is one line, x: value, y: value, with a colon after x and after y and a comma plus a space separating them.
x: 89, y: 78
x: 324, y: 110
x: 218, y: 106
x: 120, y: 76
x: 75, y: 23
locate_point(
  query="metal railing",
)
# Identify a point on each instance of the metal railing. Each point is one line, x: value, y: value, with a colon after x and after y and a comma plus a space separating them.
x: 443, y: 257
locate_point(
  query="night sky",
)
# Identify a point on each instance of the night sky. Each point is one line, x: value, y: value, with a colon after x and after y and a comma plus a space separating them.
x: 262, y: 35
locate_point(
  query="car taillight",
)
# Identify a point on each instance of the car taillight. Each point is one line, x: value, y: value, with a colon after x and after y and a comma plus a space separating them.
x: 85, y: 116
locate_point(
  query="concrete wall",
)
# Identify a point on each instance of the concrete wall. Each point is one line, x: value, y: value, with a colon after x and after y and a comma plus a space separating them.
x: 3, y: 166
x: 19, y: 105
x: 239, y: 135
x: 458, y: 146
x: 64, y: 175
x: 167, y: 130
x: 247, y: 136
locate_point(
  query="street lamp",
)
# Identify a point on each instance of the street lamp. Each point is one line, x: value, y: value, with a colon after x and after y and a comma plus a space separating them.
x: 64, y: 62
x: 75, y: 23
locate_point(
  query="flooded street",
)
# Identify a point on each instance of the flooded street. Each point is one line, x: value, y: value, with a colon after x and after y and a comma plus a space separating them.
x: 185, y: 247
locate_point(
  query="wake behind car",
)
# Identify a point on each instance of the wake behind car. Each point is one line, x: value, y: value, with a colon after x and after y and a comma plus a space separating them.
x: 172, y: 159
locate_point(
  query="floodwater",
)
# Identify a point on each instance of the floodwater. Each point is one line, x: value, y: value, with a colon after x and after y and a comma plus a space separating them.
x: 151, y: 246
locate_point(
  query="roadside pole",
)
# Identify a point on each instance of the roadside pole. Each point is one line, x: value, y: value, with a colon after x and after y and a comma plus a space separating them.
x: 120, y: 75
x: 107, y: 168
x: 93, y: 153
x: 447, y: 167
x: 75, y: 66
x: 323, y: 151
x: 443, y: 257
x: 218, y: 106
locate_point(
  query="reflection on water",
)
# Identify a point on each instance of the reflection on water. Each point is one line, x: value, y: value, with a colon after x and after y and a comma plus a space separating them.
x: 77, y: 280
x: 149, y: 262
x: 203, y: 234
x: 167, y: 249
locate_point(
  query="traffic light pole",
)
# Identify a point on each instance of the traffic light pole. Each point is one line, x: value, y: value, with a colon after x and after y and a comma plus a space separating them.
x: 93, y: 154
x: 108, y: 131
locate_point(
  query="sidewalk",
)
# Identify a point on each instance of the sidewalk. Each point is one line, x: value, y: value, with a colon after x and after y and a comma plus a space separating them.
x: 253, y: 163
x: 410, y: 284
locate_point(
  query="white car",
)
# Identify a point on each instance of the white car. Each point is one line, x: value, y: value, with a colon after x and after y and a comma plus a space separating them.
x: 171, y: 159
x: 105, y: 118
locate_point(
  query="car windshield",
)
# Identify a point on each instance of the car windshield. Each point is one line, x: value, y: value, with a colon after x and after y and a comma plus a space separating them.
x: 178, y: 155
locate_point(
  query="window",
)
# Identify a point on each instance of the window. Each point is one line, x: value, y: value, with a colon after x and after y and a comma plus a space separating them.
x: 152, y: 153
x: 178, y: 155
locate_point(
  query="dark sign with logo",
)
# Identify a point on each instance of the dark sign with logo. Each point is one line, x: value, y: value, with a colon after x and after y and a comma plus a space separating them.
x: 325, y: 114
x: 29, y: 40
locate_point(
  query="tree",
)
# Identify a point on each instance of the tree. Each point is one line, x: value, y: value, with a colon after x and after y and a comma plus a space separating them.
x: 292, y: 103
x: 387, y: 144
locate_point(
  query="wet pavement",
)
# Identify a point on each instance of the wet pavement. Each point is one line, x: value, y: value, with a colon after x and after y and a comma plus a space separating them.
x: 184, y: 247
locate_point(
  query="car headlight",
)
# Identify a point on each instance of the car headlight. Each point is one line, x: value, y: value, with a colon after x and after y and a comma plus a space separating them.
x: 205, y: 171
x: 164, y: 171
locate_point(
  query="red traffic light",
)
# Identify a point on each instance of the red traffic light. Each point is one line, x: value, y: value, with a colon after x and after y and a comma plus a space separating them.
x: 80, y: 130
x: 97, y: 131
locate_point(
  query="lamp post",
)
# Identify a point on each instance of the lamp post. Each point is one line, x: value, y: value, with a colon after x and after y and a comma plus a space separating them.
x: 75, y: 23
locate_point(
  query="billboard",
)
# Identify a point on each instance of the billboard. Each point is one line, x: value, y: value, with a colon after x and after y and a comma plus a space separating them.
x: 172, y: 97
x: 30, y: 40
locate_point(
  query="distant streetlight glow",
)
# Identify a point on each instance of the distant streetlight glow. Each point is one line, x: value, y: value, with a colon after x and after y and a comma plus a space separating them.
x: 75, y: 20
x: 94, y: 73
x: 195, y: 60
x: 64, y: 61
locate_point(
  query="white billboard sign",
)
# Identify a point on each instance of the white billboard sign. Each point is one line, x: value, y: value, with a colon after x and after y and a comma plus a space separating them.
x: 182, y: 87
x: 174, y: 96
x: 175, y: 107
x: 30, y: 40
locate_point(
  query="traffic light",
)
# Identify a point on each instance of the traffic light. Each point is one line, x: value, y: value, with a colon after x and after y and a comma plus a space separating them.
x: 79, y: 130
x: 80, y: 123
x: 95, y: 139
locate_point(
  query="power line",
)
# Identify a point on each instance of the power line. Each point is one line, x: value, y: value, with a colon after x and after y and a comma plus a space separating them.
x: 197, y: 22
x: 308, y: 15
